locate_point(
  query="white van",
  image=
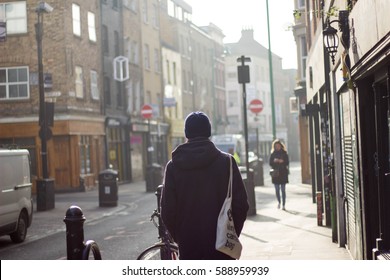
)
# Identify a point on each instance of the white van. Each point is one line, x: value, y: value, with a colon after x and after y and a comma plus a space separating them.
x: 234, y: 143
x: 231, y: 143
x: 16, y: 206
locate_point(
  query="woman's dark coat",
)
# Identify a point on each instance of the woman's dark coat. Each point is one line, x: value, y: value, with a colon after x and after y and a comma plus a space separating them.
x: 195, y: 187
x: 282, y: 167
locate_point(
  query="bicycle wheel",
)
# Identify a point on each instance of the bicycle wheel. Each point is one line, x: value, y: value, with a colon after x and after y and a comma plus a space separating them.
x: 159, y: 251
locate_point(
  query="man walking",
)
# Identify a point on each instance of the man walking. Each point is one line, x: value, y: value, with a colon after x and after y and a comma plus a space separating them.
x: 195, y: 187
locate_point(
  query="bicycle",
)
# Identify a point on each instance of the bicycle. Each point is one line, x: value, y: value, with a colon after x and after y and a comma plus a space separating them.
x: 166, y: 248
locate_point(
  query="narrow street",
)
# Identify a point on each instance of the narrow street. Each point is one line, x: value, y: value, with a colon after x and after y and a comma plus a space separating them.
x: 124, y: 230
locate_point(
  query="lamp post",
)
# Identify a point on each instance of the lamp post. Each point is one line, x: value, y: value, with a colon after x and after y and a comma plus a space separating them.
x: 271, y: 79
x: 45, y: 186
x: 331, y: 40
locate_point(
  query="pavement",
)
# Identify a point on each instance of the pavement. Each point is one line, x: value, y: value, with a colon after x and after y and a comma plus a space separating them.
x: 270, y: 234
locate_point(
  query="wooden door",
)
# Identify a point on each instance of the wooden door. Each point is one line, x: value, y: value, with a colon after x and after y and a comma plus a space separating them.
x: 62, y: 162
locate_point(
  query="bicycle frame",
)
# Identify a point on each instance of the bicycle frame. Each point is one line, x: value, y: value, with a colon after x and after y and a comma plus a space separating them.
x: 168, y: 249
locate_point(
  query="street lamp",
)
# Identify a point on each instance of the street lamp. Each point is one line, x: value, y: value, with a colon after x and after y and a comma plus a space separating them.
x: 271, y: 77
x: 331, y: 40
x: 45, y: 186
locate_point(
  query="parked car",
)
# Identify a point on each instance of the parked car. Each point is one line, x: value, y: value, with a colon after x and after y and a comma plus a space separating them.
x: 16, y: 205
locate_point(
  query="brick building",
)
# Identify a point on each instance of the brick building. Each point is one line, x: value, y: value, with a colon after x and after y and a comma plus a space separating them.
x: 72, y: 70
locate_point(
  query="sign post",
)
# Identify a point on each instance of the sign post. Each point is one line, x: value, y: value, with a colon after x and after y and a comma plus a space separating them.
x: 244, y: 78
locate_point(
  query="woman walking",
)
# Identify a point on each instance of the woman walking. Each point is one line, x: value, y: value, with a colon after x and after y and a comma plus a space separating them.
x: 279, y: 170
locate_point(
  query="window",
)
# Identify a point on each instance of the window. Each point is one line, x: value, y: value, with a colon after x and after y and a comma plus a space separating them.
x: 76, y: 20
x: 119, y: 100
x: 145, y: 11
x: 155, y: 15
x: 233, y: 98
x: 146, y: 57
x: 105, y: 39
x: 174, y: 74
x: 187, y: 16
x: 116, y: 43
x: 94, y: 85
x: 133, y: 5
x: 85, y: 154
x: 128, y: 48
x: 156, y: 60
x: 184, y: 81
x: 107, y: 96
x: 135, y: 53
x: 179, y: 13
x: 79, y: 82
x: 171, y: 8
x: 232, y: 75
x: 14, y: 83
x: 15, y: 14
x: 302, y: 40
x: 91, y: 27
x: 301, y: 3
x: 168, y: 73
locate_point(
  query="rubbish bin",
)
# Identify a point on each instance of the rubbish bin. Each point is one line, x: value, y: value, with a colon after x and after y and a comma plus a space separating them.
x: 250, y: 189
x: 154, y: 177
x: 258, y: 169
x: 108, y: 188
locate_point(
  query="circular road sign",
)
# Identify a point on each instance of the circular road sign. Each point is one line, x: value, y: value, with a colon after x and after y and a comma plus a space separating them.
x: 256, y: 106
x: 146, y: 111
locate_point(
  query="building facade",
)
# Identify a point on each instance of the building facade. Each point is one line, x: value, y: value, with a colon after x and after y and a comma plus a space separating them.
x: 72, y: 70
x: 349, y: 126
x: 259, y: 87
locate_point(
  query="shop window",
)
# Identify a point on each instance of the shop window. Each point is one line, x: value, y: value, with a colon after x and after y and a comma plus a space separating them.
x: 85, y: 155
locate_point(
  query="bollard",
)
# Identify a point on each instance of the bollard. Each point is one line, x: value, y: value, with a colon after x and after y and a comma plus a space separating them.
x: 76, y: 249
x: 74, y: 220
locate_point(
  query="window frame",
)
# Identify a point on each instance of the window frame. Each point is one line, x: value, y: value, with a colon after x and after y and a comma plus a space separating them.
x: 18, y: 18
x: 79, y: 82
x: 76, y: 19
x: 85, y: 155
x: 95, y: 95
x: 146, y: 57
x: 7, y: 84
x: 145, y: 12
x: 91, y: 27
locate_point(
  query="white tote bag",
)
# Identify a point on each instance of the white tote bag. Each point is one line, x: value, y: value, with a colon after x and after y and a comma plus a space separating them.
x: 227, y: 240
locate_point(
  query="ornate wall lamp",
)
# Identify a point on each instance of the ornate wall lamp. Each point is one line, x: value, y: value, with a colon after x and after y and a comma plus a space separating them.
x: 331, y: 40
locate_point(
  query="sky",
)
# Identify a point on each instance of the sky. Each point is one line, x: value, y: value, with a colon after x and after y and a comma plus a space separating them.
x: 234, y: 15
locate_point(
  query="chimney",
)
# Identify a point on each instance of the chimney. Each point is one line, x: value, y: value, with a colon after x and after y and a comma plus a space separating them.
x: 247, y: 34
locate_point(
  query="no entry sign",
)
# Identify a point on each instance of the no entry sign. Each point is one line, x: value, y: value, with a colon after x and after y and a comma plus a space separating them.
x: 146, y: 111
x: 256, y: 106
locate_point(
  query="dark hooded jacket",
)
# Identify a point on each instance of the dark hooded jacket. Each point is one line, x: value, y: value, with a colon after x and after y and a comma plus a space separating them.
x: 195, y: 187
x: 282, y: 167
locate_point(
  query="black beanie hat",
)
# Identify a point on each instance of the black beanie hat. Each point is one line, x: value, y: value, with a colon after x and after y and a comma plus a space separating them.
x: 197, y: 124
